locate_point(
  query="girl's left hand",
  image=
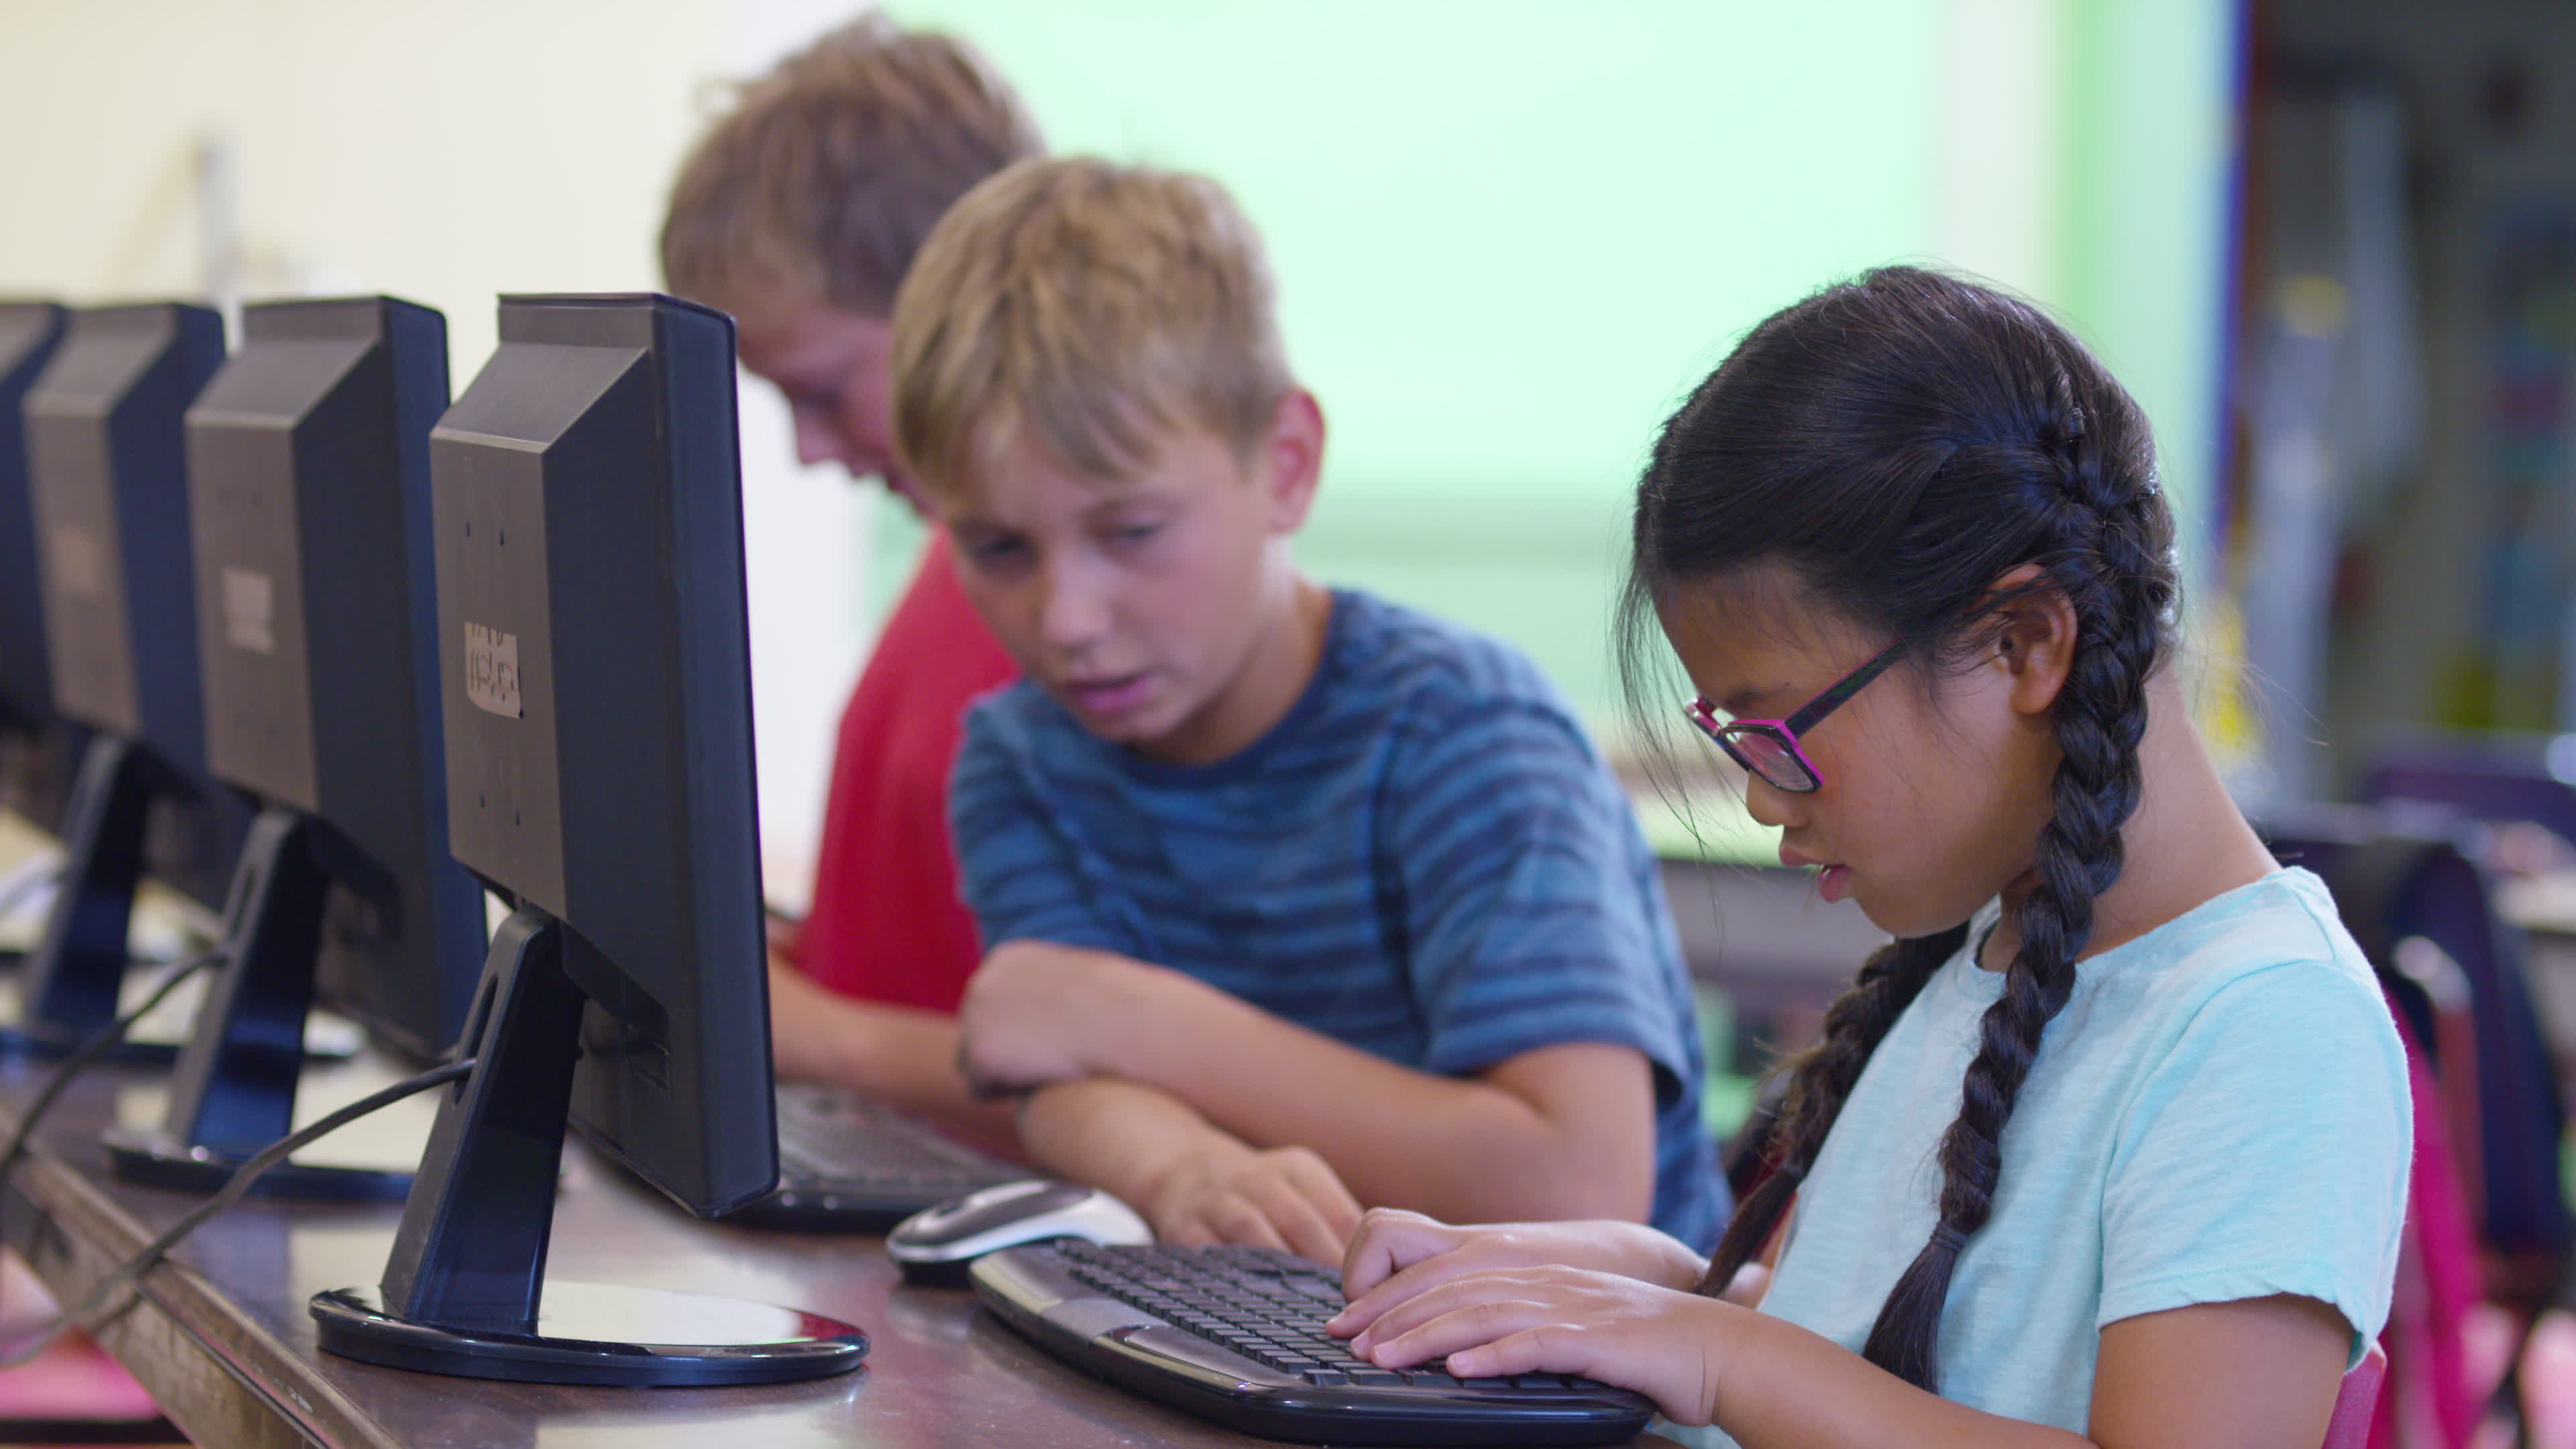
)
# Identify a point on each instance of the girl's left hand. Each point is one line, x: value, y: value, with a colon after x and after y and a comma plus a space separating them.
x: 1656, y: 1341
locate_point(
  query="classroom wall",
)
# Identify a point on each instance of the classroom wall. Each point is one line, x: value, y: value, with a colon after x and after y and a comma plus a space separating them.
x: 1508, y: 236
x: 445, y: 153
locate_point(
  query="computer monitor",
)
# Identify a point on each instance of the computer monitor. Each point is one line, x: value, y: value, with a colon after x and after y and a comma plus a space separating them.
x: 596, y: 689
x: 109, y: 481
x: 308, y: 479
x: 38, y: 750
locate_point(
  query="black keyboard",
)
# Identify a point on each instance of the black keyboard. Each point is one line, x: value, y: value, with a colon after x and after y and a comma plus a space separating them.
x: 1236, y: 1335
x: 850, y: 1165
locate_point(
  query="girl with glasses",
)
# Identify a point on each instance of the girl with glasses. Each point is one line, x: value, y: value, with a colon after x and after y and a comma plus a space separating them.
x: 2109, y: 1144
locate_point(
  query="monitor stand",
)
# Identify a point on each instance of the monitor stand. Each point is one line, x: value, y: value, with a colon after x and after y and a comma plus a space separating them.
x: 69, y: 987
x: 461, y: 1293
x: 234, y: 1091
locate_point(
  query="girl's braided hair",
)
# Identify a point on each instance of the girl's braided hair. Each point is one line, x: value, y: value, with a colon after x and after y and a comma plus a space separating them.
x: 1899, y: 442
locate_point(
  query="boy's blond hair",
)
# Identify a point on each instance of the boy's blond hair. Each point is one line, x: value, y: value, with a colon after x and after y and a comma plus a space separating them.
x: 1099, y: 304
x: 827, y: 173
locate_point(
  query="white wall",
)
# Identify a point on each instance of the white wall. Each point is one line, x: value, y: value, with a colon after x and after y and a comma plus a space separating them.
x: 447, y: 152
x: 444, y: 153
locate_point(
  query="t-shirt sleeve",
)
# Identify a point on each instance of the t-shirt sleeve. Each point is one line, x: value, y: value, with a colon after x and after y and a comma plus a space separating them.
x: 1021, y: 876
x: 1532, y: 913
x: 2266, y: 1153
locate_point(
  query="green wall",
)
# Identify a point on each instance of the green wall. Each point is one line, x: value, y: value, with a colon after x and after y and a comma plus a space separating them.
x: 1508, y: 238
x: 2152, y: 127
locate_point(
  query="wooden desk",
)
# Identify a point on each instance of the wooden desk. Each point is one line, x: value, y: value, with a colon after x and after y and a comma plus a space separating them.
x: 222, y: 1339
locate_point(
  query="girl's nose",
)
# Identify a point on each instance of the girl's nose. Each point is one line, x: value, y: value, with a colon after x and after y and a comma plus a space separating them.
x: 1770, y: 805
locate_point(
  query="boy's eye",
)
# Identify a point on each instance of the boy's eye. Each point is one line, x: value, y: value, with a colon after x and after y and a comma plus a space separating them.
x: 1135, y: 532
x: 993, y: 550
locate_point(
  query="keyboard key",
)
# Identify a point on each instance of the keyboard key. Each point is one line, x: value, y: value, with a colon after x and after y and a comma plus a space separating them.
x: 1326, y: 1378
x: 1381, y: 1378
x: 1422, y: 1380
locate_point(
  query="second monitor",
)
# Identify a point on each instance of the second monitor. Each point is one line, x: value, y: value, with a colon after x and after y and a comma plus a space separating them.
x: 38, y: 749
x: 308, y: 470
x: 110, y: 507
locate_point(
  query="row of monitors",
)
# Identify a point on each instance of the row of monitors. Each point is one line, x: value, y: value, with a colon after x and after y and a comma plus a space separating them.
x: 433, y: 648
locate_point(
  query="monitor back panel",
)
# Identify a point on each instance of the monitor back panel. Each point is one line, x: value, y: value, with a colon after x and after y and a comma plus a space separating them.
x: 107, y: 465
x: 111, y: 493
x: 595, y: 684
x: 38, y: 751
x: 309, y: 480
x: 28, y: 334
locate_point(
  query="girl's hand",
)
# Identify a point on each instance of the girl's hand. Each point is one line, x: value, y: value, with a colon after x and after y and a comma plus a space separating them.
x: 1396, y: 1256
x: 1657, y: 1341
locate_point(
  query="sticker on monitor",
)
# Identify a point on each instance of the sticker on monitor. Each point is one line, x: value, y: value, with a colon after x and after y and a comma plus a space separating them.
x: 492, y: 670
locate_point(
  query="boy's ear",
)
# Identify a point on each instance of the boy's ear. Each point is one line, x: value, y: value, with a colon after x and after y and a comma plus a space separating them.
x: 2035, y: 645
x: 1290, y: 461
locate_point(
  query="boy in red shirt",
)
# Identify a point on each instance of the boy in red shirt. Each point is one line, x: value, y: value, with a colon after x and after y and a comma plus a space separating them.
x: 799, y: 212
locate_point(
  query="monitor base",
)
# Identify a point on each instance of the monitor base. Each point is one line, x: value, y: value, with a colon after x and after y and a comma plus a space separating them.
x: 328, y: 1039
x: 18, y: 1041
x: 596, y: 1333
x: 156, y: 1157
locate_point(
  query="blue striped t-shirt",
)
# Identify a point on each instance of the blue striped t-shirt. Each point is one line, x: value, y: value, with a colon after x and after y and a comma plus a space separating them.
x: 1425, y: 859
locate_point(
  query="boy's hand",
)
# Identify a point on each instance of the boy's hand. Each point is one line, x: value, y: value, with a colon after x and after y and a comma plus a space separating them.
x: 1397, y: 1256
x: 1036, y: 1012
x: 1281, y: 1197
x: 1660, y: 1342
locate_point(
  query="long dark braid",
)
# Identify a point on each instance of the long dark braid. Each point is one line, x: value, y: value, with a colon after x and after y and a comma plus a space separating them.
x: 1819, y: 1079
x: 1900, y: 443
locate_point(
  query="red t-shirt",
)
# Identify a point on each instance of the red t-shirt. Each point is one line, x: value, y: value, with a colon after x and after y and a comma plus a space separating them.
x: 887, y: 923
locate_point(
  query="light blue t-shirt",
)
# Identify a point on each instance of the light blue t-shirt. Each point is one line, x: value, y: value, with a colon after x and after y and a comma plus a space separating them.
x: 2220, y: 1112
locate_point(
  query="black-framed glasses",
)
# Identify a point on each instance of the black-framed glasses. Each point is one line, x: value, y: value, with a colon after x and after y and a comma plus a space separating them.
x: 1769, y: 747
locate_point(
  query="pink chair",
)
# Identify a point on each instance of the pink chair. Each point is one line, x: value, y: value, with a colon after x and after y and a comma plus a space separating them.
x: 2357, y: 1403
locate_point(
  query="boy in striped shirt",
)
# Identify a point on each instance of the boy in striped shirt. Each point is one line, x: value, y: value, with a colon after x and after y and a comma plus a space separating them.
x: 1293, y: 900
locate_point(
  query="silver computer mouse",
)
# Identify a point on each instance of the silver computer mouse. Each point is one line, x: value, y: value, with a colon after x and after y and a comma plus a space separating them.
x: 936, y: 1244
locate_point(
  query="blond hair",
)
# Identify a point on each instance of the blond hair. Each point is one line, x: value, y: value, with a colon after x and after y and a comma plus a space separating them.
x: 1098, y: 304
x: 825, y: 175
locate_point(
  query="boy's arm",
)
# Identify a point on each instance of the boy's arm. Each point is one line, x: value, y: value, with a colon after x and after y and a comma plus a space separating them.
x: 1538, y: 960
x: 1562, y: 1131
x: 1194, y: 1182
x: 897, y: 1054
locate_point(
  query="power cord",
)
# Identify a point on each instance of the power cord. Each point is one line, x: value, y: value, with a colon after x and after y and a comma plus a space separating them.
x: 98, y: 1044
x: 84, y: 1313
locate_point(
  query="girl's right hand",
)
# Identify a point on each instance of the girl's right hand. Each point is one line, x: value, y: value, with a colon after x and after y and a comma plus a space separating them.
x: 1396, y: 1256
